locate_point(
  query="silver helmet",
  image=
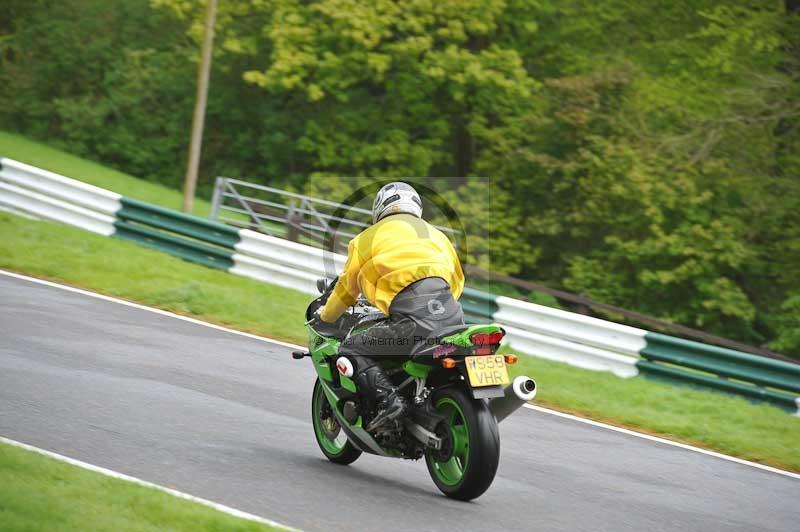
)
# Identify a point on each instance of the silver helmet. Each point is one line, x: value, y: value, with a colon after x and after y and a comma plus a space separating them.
x: 395, y: 198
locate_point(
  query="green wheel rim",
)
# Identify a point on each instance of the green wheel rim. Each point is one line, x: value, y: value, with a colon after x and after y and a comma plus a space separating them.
x: 329, y: 434
x: 452, y: 471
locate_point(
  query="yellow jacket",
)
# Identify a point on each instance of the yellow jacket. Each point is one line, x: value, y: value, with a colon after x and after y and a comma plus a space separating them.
x: 390, y: 255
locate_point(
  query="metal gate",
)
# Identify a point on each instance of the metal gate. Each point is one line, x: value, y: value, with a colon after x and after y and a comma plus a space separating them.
x: 284, y: 214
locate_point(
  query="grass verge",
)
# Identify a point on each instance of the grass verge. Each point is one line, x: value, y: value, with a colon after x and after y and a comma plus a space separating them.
x: 712, y: 420
x: 41, y: 493
x: 123, y: 269
x: 129, y: 271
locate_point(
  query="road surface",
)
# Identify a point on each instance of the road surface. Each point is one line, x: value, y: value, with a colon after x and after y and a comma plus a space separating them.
x: 226, y: 418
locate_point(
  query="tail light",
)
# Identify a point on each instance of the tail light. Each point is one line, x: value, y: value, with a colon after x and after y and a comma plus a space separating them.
x: 486, y: 338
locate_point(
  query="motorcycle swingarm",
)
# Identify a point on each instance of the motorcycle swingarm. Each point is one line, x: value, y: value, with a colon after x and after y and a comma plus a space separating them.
x: 423, y: 435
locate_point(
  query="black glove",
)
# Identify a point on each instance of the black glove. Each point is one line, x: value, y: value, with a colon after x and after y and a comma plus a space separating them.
x: 323, y: 327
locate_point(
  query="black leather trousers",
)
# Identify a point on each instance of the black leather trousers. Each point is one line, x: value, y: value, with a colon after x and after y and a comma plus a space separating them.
x: 417, y: 311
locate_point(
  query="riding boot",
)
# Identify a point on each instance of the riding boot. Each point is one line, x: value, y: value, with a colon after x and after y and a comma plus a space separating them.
x: 390, y: 404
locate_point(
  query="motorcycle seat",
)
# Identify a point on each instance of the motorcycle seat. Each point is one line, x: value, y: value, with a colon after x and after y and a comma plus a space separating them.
x: 434, y: 339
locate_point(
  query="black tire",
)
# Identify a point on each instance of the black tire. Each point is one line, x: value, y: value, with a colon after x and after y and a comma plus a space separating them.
x: 482, y: 455
x: 343, y: 454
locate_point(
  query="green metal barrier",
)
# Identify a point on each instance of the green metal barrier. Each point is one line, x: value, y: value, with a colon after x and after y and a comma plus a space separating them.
x: 744, y: 374
x: 185, y: 236
x: 479, y: 307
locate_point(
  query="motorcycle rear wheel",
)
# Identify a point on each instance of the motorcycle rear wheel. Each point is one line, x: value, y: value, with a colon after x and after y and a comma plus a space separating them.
x: 330, y: 437
x: 465, y: 467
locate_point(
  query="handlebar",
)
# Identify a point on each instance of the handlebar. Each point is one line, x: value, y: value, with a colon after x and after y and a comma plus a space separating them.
x: 349, y: 319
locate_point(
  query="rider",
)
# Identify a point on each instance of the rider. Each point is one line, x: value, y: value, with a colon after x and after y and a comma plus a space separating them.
x: 409, y: 270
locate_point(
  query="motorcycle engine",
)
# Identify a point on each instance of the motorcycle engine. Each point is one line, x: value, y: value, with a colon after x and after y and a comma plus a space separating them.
x: 350, y: 411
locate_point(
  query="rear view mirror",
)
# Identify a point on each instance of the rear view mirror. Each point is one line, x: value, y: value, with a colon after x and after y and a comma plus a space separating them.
x: 322, y: 285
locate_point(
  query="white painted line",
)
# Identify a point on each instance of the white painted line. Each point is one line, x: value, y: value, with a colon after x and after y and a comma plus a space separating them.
x: 663, y: 440
x: 294, y: 346
x: 108, y: 472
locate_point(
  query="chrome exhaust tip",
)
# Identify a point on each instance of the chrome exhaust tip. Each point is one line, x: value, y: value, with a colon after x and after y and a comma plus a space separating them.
x: 519, y: 392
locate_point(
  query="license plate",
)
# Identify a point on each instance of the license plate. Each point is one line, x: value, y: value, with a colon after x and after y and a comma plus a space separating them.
x: 486, y: 370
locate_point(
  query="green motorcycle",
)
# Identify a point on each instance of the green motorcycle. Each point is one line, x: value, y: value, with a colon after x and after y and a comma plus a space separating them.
x: 457, y: 388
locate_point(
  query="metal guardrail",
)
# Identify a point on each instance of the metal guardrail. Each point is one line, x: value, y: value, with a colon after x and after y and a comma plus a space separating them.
x: 58, y: 198
x: 541, y: 331
x: 583, y: 304
x: 732, y: 371
x: 189, y: 237
x: 478, y: 306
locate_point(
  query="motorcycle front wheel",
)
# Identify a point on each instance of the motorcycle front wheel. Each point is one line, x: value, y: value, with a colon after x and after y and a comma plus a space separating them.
x: 330, y: 437
x: 466, y: 465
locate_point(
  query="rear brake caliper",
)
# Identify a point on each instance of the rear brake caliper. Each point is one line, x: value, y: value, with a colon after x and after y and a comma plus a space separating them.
x: 444, y: 453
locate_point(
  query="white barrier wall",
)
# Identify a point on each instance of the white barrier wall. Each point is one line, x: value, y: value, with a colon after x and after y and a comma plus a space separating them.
x: 54, y: 197
x: 283, y: 262
x: 582, y: 341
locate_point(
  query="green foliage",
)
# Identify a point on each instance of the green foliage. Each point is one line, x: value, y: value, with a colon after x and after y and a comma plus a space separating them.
x: 646, y: 158
x: 788, y: 324
x: 81, y: 73
x: 433, y: 76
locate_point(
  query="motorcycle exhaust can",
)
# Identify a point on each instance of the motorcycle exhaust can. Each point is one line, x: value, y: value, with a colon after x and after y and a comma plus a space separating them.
x: 519, y: 392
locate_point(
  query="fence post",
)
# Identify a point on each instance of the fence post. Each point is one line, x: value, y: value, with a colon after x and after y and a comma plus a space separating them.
x: 292, y: 232
x: 216, y: 199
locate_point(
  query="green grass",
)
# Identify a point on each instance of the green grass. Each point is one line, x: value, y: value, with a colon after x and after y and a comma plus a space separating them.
x: 129, y: 271
x: 40, y: 493
x: 713, y: 420
x: 27, y: 151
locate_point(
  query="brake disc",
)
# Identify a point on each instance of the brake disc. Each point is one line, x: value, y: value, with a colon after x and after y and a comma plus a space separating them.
x: 328, y: 422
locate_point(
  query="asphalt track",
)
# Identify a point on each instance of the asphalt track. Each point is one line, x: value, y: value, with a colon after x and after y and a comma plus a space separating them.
x: 226, y: 418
